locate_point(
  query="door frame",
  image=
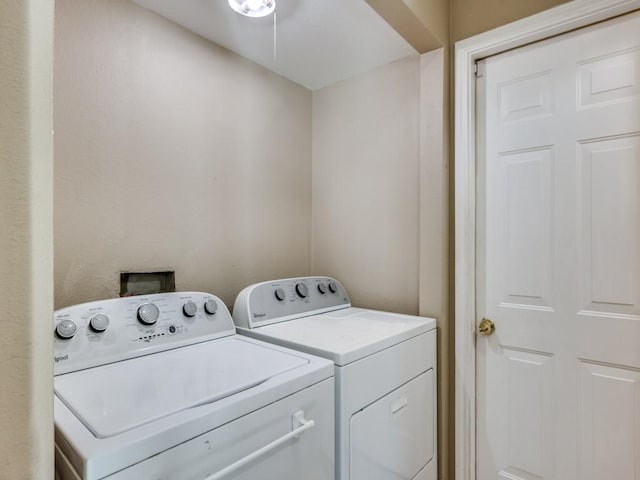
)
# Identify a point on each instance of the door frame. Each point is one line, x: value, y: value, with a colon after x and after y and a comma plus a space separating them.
x: 558, y: 20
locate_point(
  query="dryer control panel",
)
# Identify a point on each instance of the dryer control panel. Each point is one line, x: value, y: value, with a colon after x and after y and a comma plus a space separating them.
x: 281, y: 300
x: 107, y: 331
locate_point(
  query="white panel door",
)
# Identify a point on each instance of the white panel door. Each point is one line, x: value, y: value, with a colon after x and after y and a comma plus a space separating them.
x: 559, y: 258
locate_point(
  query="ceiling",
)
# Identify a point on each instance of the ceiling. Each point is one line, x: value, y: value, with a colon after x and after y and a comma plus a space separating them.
x: 319, y: 42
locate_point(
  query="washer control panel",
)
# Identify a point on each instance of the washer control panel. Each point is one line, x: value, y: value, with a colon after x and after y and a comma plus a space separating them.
x: 280, y: 300
x: 107, y: 331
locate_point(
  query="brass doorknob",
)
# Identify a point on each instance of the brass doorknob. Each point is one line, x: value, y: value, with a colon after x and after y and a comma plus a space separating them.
x: 486, y: 327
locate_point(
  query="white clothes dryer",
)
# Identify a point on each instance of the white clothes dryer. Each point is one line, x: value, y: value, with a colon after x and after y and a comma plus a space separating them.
x: 161, y: 388
x: 385, y: 370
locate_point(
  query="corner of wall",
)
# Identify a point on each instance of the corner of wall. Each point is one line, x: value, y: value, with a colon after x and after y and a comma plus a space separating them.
x: 423, y: 24
x: 434, y: 227
x: 26, y: 239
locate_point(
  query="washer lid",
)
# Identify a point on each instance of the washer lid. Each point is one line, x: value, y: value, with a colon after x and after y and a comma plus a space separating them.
x: 347, y: 335
x: 118, y: 397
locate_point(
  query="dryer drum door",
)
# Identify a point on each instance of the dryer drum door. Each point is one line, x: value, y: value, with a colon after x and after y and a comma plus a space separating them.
x: 393, y: 438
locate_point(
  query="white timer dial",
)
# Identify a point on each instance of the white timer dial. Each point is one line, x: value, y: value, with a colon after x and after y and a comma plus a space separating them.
x: 66, y: 329
x: 99, y: 323
x: 148, y: 313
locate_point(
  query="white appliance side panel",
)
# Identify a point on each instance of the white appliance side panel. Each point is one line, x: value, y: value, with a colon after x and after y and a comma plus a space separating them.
x: 392, y: 439
x: 308, y: 457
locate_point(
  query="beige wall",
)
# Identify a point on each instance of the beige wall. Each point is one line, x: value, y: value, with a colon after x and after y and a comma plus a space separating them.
x: 434, y: 15
x: 380, y: 187
x: 431, y: 24
x: 366, y: 185
x: 172, y: 152
x: 380, y: 183
x: 26, y: 240
x: 470, y: 17
x: 422, y: 23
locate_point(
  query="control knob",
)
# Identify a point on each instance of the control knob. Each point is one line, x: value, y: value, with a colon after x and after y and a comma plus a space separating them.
x: 302, y: 290
x: 333, y: 287
x: 66, y: 329
x: 210, y: 306
x: 280, y: 295
x: 148, y: 313
x: 190, y: 309
x: 322, y: 288
x: 99, y: 323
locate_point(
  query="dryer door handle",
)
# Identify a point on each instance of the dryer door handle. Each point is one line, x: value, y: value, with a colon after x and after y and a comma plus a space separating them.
x: 399, y: 404
x: 299, y: 425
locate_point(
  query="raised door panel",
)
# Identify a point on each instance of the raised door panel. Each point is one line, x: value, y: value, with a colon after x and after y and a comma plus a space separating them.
x: 530, y: 416
x: 609, y: 203
x: 516, y: 430
x: 528, y: 199
x: 609, y: 79
x: 526, y: 98
x: 609, y: 422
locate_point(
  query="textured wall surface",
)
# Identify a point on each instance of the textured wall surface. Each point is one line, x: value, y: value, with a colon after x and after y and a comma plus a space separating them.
x: 172, y: 152
x: 434, y: 14
x: 470, y: 17
x: 422, y: 23
x: 380, y: 178
x: 366, y: 166
x: 434, y: 246
x: 26, y: 240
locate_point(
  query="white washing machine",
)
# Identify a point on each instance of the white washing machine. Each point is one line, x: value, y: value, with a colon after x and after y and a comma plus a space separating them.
x: 161, y: 388
x: 385, y: 368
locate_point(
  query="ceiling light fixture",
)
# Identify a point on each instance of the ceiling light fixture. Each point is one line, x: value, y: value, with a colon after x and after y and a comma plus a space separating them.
x: 253, y: 8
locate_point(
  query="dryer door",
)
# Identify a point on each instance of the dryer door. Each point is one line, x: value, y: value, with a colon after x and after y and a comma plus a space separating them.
x: 393, y: 438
